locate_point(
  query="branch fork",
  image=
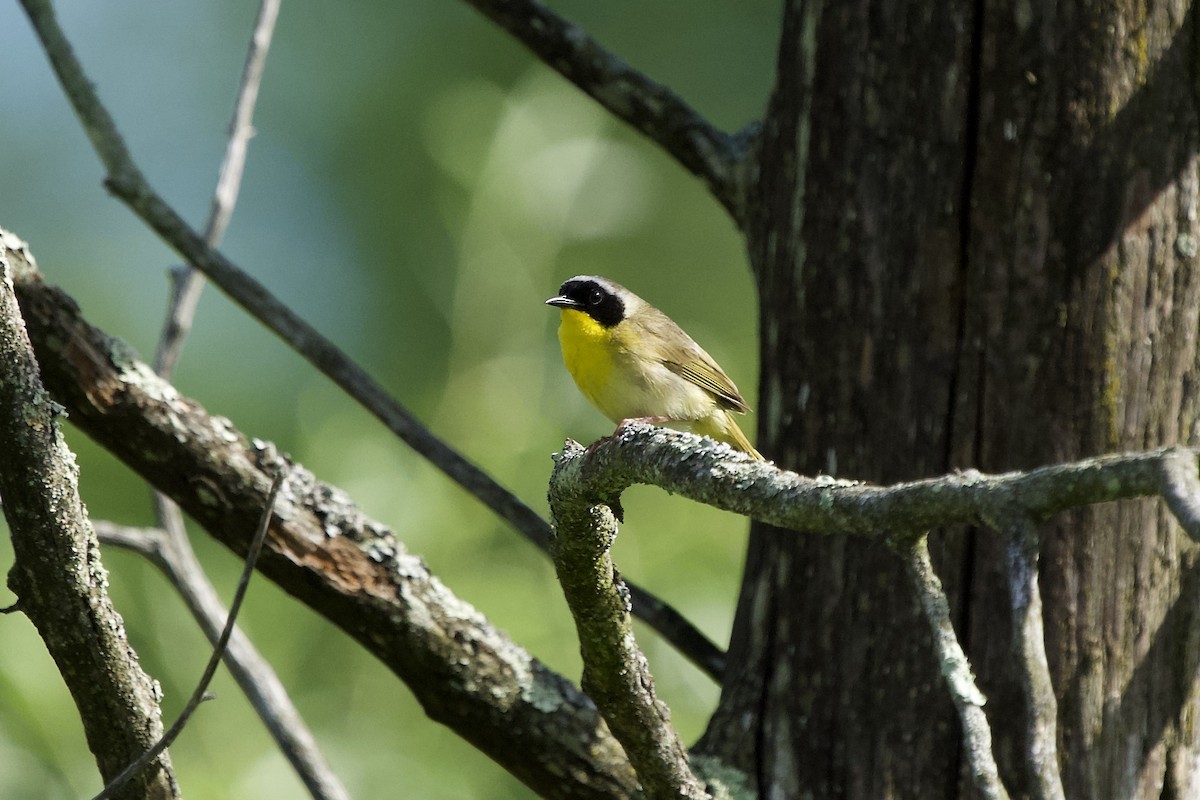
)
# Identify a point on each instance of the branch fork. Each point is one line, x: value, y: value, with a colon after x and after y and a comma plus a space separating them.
x: 586, y: 484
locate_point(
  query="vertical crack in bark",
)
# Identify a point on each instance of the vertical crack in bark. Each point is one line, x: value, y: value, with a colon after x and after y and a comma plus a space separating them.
x: 970, y: 155
x: 971, y: 134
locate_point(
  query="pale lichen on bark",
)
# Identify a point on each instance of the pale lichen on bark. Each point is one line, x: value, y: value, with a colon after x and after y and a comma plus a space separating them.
x: 57, y: 575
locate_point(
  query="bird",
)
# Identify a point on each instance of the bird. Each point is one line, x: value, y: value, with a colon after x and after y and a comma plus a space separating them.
x: 634, y: 363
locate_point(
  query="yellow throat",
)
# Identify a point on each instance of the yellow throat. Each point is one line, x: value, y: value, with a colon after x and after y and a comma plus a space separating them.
x: 587, y: 350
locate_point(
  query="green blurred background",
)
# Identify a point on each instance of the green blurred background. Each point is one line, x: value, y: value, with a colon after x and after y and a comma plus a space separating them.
x: 417, y: 187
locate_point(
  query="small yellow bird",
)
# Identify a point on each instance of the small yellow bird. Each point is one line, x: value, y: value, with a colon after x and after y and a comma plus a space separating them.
x: 633, y: 363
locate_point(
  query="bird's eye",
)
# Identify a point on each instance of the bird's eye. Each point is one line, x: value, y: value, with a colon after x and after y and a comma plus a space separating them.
x: 596, y: 297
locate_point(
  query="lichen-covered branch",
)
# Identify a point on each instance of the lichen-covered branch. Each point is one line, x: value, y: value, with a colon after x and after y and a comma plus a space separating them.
x: 324, y: 551
x: 1029, y: 644
x: 57, y: 576
x: 709, y: 472
x: 715, y: 157
x: 1181, y: 488
x: 953, y: 664
x: 615, y: 672
x: 712, y: 473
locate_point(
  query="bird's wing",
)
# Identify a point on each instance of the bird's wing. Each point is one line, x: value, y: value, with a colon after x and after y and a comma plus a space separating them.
x: 679, y: 353
x: 705, y: 373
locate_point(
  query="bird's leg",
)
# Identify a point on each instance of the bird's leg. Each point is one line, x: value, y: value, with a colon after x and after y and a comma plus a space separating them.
x: 658, y: 420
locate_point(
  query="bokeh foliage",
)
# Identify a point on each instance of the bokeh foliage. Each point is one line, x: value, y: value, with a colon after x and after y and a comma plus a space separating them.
x: 417, y: 186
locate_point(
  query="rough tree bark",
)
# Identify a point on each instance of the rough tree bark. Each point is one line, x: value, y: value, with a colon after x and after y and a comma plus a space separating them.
x: 973, y: 229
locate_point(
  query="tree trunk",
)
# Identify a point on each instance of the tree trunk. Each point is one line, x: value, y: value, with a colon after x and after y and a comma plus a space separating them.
x: 974, y: 235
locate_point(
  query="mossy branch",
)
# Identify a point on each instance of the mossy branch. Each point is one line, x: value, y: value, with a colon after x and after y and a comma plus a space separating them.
x: 586, y: 486
x: 956, y: 671
x: 615, y: 673
x: 57, y: 576
x: 713, y: 473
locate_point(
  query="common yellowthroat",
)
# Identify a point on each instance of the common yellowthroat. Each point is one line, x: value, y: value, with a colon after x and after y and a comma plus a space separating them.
x: 632, y: 362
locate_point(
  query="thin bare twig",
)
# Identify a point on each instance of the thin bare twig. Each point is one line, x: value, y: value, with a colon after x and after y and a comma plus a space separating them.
x: 128, y: 184
x: 187, y: 281
x: 201, y: 692
x: 175, y: 557
x: 710, y: 154
x: 253, y: 674
x: 952, y: 661
x: 1029, y: 642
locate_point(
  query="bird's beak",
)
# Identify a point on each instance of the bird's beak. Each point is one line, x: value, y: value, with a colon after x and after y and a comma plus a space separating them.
x: 562, y: 301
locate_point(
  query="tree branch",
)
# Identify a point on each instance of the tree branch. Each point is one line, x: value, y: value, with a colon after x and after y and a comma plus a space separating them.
x: 168, y: 546
x: 174, y: 557
x: 187, y: 281
x: 128, y: 184
x: 57, y: 575
x: 200, y: 693
x: 1181, y: 487
x: 324, y: 551
x: 710, y: 154
x: 712, y: 473
x: 953, y: 664
x: 1029, y: 642
x: 615, y: 672
x: 587, y: 481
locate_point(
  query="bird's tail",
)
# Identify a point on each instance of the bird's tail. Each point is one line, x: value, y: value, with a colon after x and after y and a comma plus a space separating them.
x: 724, y: 428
